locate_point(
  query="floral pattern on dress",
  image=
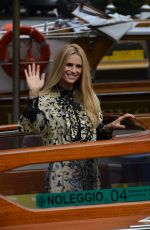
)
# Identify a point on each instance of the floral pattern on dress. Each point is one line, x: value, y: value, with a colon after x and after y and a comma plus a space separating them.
x: 61, y: 119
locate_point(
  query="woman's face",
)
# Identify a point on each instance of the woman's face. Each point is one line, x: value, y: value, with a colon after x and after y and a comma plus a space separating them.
x: 72, y: 71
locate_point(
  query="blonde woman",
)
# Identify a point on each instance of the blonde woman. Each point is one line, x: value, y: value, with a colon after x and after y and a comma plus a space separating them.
x: 65, y: 109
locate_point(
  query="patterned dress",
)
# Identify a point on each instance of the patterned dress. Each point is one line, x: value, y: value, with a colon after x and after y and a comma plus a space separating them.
x: 61, y: 119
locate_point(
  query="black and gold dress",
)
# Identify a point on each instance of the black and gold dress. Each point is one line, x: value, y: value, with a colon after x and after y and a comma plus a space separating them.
x: 61, y: 119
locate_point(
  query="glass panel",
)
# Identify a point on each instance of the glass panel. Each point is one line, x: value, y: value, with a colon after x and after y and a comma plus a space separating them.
x: 122, y: 179
x: 16, y: 139
x: 21, y: 184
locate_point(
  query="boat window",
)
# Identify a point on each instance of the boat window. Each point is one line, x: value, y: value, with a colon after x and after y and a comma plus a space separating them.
x: 15, y: 139
x: 123, y: 179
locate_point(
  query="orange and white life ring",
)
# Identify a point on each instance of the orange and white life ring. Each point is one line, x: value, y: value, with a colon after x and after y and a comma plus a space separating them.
x: 44, y: 50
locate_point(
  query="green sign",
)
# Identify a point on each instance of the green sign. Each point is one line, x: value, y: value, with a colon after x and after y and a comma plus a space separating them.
x: 91, y: 197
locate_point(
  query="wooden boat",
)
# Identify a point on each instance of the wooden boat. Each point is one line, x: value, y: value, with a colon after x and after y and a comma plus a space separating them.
x: 20, y: 178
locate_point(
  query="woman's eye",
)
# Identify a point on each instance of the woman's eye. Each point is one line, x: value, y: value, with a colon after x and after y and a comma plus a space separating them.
x: 79, y: 66
x: 71, y: 65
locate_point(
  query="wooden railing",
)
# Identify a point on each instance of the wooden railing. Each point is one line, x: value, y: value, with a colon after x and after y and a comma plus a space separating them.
x: 122, y: 87
x: 9, y: 127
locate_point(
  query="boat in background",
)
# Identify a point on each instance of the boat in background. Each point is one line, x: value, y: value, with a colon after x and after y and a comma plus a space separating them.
x: 97, y: 34
x: 87, y: 26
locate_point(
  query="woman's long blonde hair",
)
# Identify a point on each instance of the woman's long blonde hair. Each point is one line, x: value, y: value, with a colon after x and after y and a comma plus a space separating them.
x: 83, y: 88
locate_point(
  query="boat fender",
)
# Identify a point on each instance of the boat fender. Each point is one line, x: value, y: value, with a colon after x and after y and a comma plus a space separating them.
x: 34, y: 35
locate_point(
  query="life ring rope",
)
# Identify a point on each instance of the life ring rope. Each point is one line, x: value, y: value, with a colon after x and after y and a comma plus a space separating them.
x: 33, y: 34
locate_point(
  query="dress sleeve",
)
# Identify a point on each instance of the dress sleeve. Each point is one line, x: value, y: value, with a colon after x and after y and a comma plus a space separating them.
x: 32, y: 119
x: 103, y: 133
